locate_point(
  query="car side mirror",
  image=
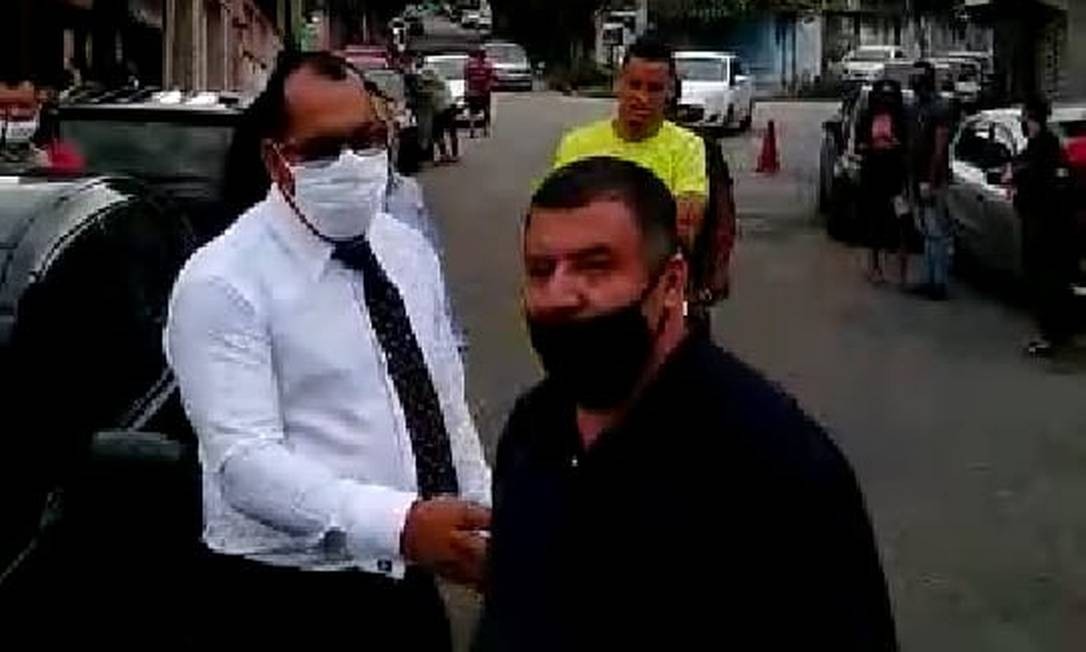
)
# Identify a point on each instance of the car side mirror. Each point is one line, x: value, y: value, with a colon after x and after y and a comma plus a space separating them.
x: 121, y: 447
x: 742, y: 79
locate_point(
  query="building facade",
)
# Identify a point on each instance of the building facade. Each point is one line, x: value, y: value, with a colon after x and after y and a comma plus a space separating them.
x: 184, y: 44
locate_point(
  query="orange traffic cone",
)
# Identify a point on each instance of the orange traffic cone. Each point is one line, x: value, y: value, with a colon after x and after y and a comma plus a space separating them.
x: 769, y: 162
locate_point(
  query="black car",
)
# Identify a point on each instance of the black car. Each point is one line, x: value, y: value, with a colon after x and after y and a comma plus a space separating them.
x: 176, y: 143
x: 98, y: 513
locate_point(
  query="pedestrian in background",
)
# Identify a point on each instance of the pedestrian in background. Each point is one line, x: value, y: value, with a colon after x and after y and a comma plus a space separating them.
x: 317, y: 365
x: 653, y: 492
x: 479, y: 76
x: 443, y: 110
x: 640, y: 133
x: 929, y: 172
x: 884, y: 208
x: 1041, y: 181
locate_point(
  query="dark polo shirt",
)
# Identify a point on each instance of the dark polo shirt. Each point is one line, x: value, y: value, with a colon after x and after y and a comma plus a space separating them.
x: 716, y: 516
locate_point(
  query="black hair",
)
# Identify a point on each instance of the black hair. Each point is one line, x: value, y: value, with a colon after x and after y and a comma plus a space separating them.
x: 650, y: 48
x: 603, y: 178
x: 269, y: 109
x: 927, y: 69
x: 1037, y: 108
x: 245, y: 181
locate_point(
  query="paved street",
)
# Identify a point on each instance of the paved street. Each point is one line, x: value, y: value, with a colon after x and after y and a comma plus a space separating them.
x: 972, y: 457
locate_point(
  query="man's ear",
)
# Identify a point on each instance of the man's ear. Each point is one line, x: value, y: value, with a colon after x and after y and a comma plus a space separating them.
x: 676, y: 276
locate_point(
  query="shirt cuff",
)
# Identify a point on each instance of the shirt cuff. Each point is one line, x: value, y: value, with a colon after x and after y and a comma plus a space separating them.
x: 372, y: 519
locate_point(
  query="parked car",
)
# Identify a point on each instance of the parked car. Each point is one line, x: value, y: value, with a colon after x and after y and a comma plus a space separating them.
x: 716, y: 91
x: 867, y: 63
x: 367, y: 57
x: 470, y: 19
x: 839, y: 161
x: 512, y: 69
x: 100, y: 516
x: 451, y: 69
x: 987, y: 228
x: 175, y: 142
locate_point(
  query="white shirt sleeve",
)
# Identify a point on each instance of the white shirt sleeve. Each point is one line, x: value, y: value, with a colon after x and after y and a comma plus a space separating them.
x: 221, y: 352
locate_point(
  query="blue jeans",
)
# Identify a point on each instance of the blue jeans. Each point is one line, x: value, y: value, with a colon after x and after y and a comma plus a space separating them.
x: 933, y: 220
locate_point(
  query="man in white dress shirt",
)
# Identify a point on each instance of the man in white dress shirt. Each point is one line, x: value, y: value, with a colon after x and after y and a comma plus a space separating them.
x: 341, y: 467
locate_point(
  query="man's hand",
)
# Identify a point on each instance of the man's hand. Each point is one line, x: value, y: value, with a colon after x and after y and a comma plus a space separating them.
x: 444, y: 535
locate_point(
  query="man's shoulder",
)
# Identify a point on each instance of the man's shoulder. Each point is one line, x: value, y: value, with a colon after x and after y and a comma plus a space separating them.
x: 758, y: 415
x: 673, y: 133
x: 597, y: 131
x: 233, y: 256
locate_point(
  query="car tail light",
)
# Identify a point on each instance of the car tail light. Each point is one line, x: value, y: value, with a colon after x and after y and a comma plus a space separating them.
x: 1076, y: 152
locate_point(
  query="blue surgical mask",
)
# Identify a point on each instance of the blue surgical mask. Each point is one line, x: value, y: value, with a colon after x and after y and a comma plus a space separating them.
x: 339, y: 198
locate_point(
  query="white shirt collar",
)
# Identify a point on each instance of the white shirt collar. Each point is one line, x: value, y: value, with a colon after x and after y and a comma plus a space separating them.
x: 310, y: 252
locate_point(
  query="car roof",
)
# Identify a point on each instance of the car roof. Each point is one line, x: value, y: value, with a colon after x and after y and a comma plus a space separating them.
x: 445, y: 57
x: 705, y: 54
x: 35, y: 217
x: 884, y: 48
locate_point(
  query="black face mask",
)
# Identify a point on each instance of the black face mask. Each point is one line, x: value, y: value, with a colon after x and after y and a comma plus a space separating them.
x: 599, y: 359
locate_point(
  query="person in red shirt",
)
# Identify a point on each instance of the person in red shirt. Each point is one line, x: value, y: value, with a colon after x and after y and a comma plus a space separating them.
x: 479, y: 75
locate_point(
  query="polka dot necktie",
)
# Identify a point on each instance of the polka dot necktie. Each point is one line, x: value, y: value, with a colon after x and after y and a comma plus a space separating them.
x: 414, y: 386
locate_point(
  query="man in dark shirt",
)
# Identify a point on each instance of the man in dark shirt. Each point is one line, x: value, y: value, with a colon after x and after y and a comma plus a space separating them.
x: 930, y: 174
x: 654, y: 492
x: 479, y: 83
x: 1041, y: 180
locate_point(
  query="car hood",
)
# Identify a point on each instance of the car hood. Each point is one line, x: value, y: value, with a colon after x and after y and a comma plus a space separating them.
x: 512, y: 67
x: 865, y: 66
x: 701, y: 92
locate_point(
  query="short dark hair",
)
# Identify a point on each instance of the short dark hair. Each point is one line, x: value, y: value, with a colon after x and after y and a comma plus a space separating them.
x: 603, y: 178
x: 1037, y: 108
x: 650, y: 48
x: 268, y: 112
x: 245, y: 181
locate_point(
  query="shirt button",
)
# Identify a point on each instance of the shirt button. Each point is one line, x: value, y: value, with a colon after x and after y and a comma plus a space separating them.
x: 384, y: 565
x: 573, y: 462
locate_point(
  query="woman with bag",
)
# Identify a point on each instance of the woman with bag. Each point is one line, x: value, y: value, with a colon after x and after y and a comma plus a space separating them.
x: 881, y: 143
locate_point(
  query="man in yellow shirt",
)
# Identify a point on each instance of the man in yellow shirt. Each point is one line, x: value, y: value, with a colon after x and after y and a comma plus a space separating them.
x: 639, y: 133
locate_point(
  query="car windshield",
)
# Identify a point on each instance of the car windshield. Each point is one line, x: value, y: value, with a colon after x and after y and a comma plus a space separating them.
x: 449, y: 68
x: 866, y: 54
x: 389, y: 81
x: 506, y: 54
x: 150, y: 150
x: 701, y: 69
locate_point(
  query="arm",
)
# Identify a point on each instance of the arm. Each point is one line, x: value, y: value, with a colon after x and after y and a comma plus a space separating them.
x: 691, y: 190
x: 222, y: 356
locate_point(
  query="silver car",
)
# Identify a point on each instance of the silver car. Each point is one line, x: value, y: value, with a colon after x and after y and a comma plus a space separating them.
x: 987, y: 228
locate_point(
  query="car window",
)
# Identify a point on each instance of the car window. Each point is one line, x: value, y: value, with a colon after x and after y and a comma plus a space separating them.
x: 984, y: 145
x: 701, y: 69
x: 449, y: 68
x: 973, y: 143
x: 150, y: 150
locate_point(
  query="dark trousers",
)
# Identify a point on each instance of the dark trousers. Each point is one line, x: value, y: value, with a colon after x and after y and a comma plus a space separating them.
x: 1050, y: 268
x: 248, y: 602
x: 445, y: 127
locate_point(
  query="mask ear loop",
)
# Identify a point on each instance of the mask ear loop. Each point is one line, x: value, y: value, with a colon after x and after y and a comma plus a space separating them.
x: 293, y: 202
